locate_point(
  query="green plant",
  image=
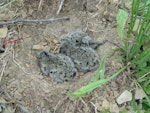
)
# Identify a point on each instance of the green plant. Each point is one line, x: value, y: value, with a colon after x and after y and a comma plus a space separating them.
x: 136, y: 52
x: 136, y: 49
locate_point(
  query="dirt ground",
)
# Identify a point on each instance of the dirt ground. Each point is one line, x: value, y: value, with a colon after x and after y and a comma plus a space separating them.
x: 23, y: 88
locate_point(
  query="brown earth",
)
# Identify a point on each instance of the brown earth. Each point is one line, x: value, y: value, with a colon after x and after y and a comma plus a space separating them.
x: 23, y: 87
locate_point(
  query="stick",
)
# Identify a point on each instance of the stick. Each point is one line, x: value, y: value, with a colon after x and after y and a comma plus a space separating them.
x: 41, y: 2
x: 2, y: 72
x: 33, y: 21
x: 60, y: 6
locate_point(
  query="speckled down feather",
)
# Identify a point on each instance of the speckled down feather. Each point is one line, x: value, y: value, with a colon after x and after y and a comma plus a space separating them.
x: 80, y: 48
x: 76, y: 52
x: 59, y: 67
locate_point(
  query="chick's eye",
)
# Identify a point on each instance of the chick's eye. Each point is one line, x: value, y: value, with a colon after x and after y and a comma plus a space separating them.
x: 74, y: 74
x: 77, y: 41
x: 87, y: 63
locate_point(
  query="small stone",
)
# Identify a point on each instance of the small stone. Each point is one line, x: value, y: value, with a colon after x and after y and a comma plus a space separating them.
x: 124, y: 97
x: 38, y: 47
x: 56, y: 41
x: 106, y: 13
x: 3, y: 32
x: 105, y: 104
x: 114, y: 108
x: 81, y: 73
x: 103, y: 19
x: 139, y: 94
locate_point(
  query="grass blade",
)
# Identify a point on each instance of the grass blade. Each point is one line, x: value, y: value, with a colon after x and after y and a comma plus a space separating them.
x: 88, y: 88
x: 100, y: 72
x: 121, y: 20
x: 135, y: 107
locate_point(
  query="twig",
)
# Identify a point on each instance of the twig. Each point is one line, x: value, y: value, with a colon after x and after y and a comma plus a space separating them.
x: 144, y: 75
x: 95, y: 108
x: 40, y: 3
x: 18, y: 64
x: 2, y: 72
x: 83, y: 102
x: 57, y: 106
x: 10, y: 41
x: 33, y: 21
x: 67, y: 107
x: 60, y: 6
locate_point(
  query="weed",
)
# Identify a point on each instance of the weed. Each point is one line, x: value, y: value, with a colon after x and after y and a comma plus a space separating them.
x: 136, y: 52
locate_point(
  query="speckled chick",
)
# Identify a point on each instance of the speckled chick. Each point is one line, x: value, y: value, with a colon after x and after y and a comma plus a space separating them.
x: 59, y: 67
x: 85, y: 58
x: 79, y: 38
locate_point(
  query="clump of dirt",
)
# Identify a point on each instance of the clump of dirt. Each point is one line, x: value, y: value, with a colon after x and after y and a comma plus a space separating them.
x: 24, y: 88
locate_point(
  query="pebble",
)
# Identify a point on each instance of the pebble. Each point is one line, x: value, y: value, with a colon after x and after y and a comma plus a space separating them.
x: 3, y: 32
x: 38, y: 47
x: 139, y: 94
x: 56, y: 41
x: 124, y: 97
x: 105, y: 104
x: 114, y: 108
x: 103, y: 19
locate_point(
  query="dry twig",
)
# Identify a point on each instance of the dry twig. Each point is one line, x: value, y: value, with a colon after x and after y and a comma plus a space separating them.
x: 4, y: 64
x: 57, y: 106
x: 2, y: 72
x: 95, y: 108
x: 18, y: 64
x: 34, y: 21
x: 60, y: 6
x: 40, y: 4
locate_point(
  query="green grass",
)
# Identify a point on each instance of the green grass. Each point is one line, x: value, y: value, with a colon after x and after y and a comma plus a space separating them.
x: 136, y: 52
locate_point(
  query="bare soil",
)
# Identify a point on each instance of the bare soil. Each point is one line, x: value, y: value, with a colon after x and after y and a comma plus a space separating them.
x: 22, y: 85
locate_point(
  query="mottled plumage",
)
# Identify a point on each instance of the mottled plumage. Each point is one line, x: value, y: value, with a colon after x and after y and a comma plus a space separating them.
x: 77, y: 46
x: 59, y: 67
